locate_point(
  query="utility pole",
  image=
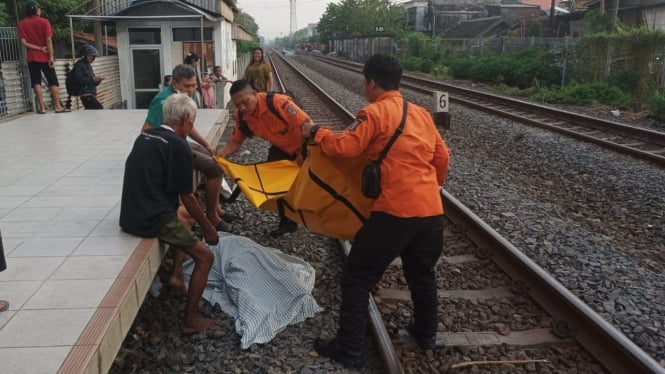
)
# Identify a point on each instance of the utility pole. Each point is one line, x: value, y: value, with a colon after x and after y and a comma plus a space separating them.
x: 97, y: 26
x: 292, y: 25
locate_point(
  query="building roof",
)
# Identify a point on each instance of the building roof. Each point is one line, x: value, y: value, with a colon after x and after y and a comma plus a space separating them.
x: 89, y: 37
x: 477, y: 28
x: 157, y: 9
x: 543, y: 4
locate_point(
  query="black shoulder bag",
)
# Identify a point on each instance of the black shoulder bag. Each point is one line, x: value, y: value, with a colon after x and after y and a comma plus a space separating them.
x: 370, y: 182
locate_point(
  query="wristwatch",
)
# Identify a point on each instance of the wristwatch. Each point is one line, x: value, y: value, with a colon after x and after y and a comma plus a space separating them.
x: 313, y: 130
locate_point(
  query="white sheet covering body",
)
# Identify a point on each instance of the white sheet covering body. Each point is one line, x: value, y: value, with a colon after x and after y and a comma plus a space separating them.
x: 264, y: 289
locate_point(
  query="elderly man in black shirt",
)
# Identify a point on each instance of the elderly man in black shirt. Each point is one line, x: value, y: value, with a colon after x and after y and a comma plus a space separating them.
x: 158, y: 173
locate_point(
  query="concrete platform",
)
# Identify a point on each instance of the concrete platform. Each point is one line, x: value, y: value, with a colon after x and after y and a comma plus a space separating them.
x: 74, y: 280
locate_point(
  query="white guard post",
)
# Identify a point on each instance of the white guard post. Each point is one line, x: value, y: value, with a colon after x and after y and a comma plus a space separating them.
x: 441, y: 115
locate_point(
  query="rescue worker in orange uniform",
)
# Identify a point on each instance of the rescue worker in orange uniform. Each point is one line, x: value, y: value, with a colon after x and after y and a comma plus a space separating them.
x: 406, y: 219
x: 281, y: 128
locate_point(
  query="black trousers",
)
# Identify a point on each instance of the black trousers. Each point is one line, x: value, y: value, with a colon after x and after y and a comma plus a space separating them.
x: 91, y: 102
x: 383, y: 237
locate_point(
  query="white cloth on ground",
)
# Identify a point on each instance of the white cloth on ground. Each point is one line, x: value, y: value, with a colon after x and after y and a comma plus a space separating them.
x: 264, y: 289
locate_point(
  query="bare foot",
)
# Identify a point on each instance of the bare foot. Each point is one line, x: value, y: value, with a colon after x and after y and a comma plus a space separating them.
x: 177, y: 286
x: 198, y: 323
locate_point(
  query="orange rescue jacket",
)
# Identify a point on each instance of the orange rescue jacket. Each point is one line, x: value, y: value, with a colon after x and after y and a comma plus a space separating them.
x: 285, y: 135
x: 416, y: 164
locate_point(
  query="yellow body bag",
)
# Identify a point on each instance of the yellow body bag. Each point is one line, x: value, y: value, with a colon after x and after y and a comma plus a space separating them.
x: 323, y: 194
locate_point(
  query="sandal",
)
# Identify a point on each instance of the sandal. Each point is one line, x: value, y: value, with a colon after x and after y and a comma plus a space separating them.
x: 4, y: 305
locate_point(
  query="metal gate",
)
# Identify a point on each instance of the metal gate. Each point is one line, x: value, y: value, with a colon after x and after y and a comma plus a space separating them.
x: 15, y: 92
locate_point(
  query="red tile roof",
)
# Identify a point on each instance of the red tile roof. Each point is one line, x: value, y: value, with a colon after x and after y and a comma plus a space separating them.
x: 89, y: 37
x: 544, y: 4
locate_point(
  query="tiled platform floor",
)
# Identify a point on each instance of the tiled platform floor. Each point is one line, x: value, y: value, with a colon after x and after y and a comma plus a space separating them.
x: 74, y: 280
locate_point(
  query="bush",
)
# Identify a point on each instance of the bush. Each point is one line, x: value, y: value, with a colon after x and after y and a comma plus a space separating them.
x: 584, y: 94
x: 626, y: 80
x: 426, y: 65
x: 657, y: 105
x: 412, y: 63
x: 461, y: 68
x: 522, y: 69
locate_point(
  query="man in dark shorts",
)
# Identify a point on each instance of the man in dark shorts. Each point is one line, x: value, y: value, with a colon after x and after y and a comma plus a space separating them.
x: 35, y: 34
x: 158, y: 173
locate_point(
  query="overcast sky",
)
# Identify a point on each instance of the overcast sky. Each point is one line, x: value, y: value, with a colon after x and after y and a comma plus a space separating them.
x: 273, y: 17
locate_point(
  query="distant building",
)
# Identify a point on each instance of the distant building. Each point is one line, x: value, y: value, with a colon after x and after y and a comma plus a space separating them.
x: 153, y: 36
x: 469, y: 18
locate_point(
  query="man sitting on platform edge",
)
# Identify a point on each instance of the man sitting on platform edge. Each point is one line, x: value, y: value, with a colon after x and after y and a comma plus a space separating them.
x: 184, y: 81
x: 158, y: 173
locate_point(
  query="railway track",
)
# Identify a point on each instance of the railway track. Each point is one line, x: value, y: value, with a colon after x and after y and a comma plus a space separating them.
x: 638, y: 142
x: 529, y: 308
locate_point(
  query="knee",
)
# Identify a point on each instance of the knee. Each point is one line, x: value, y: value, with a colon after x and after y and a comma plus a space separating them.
x: 202, y: 256
x: 207, y: 258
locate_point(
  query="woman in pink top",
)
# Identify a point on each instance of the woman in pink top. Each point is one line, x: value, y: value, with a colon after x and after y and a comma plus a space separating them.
x: 208, y: 91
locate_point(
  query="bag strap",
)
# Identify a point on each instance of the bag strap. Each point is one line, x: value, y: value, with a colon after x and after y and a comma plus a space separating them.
x: 270, y: 101
x: 244, y: 127
x: 397, y: 133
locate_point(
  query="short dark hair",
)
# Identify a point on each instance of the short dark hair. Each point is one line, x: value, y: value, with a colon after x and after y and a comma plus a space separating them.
x: 183, y: 71
x: 384, y: 70
x: 240, y: 85
x: 191, y: 57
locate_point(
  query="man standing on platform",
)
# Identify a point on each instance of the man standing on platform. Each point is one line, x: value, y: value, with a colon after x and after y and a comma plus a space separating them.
x: 35, y: 34
x: 158, y: 174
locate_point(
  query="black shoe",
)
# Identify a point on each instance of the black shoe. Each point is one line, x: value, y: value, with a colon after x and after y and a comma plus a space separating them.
x: 284, y: 227
x: 229, y: 217
x: 331, y: 349
x: 424, y: 342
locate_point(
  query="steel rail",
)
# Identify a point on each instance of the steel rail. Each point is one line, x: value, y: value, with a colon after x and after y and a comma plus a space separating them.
x: 609, y: 346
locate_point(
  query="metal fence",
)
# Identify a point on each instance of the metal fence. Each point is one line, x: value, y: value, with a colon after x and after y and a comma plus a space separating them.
x: 360, y: 49
x: 583, y: 60
x: 15, y: 97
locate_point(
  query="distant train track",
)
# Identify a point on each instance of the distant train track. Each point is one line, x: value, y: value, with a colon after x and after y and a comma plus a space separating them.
x: 559, y: 318
x: 638, y: 142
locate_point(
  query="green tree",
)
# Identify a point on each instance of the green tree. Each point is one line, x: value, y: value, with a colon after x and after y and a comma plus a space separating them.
x: 361, y: 18
x: 4, y: 17
x: 55, y: 10
x: 248, y: 23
